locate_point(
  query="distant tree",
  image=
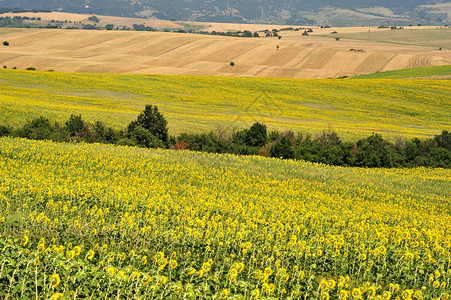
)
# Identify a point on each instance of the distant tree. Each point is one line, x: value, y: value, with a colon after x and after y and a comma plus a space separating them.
x: 145, y: 138
x: 257, y: 135
x: 109, y: 26
x: 5, y: 43
x: 337, y: 38
x: 151, y: 120
x: 94, y: 19
x: 256, y: 34
x: 76, y: 127
x: 232, y: 63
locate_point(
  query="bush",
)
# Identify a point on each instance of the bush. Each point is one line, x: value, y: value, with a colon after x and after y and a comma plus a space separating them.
x: 145, y: 138
x: 76, y: 127
x: 5, y: 130
x: 283, y: 148
x: 257, y: 135
x: 374, y: 151
x: 5, y: 43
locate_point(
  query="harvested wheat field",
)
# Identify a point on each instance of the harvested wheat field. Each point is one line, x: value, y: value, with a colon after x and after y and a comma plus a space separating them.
x: 193, y: 54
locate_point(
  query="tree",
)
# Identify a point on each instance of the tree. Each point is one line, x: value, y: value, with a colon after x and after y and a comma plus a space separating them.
x: 145, y: 138
x: 151, y: 120
x: 257, y: 135
x: 37, y: 129
x: 5, y: 43
x: 283, y: 148
x: 75, y: 126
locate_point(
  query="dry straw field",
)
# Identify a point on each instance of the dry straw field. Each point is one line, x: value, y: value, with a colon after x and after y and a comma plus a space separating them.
x: 318, y: 55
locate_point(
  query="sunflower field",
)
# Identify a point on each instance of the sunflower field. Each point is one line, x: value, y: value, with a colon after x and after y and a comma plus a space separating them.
x: 90, y: 221
x: 417, y: 108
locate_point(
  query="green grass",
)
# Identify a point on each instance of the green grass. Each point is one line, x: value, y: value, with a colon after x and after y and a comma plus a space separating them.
x: 353, y: 108
x: 410, y: 73
x: 435, y: 38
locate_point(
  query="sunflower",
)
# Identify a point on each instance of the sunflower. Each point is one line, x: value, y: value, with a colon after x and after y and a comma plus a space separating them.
x: 55, y: 280
x: 343, y: 295
x: 173, y: 263
x: 356, y: 293
x: 224, y: 294
x: 90, y: 254
x: 324, y: 296
x: 255, y: 294
x: 25, y: 237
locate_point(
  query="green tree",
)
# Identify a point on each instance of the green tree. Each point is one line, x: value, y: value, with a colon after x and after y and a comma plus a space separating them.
x: 151, y: 120
x: 283, y: 148
x: 257, y: 135
x: 38, y: 129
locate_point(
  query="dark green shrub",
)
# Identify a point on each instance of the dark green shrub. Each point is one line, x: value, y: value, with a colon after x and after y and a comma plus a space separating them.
x: 151, y: 120
x: 76, y: 127
x: 38, y: 129
x: 257, y: 135
x: 145, y: 138
x: 5, y: 130
x: 283, y: 148
x: 374, y: 151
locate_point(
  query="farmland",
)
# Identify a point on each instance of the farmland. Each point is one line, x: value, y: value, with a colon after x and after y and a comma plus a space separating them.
x: 318, y: 55
x: 443, y: 72
x: 353, y: 108
x: 101, y: 221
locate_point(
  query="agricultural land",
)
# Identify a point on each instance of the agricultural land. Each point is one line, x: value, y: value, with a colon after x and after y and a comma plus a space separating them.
x: 83, y: 220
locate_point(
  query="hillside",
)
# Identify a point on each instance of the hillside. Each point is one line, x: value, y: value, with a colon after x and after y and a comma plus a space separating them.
x: 298, y: 12
x: 84, y: 220
x: 435, y: 72
x: 298, y: 56
x: 353, y: 108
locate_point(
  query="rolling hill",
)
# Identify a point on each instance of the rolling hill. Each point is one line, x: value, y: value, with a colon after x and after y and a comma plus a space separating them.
x: 335, y: 13
x: 318, y: 55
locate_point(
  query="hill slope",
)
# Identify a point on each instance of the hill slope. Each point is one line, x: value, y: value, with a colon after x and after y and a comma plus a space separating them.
x: 353, y: 108
x: 191, y: 54
x: 335, y: 13
x: 114, y: 209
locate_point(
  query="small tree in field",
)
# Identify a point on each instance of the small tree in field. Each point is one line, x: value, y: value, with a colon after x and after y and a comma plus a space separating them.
x: 5, y: 43
x: 151, y: 120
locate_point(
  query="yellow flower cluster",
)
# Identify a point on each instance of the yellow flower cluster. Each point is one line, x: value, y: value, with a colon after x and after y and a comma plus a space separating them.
x: 88, y: 220
x: 353, y: 108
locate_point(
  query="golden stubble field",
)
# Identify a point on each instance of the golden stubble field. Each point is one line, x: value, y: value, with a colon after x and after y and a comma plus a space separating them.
x: 318, y: 55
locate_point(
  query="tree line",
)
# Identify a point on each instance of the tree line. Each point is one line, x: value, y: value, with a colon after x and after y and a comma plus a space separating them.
x: 150, y: 130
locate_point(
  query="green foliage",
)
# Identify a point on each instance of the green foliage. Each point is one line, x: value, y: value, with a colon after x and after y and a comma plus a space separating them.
x: 75, y: 126
x: 374, y: 151
x: 257, y: 135
x: 5, y: 130
x: 145, y: 138
x: 94, y: 19
x: 282, y: 148
x: 151, y: 120
x: 38, y: 129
